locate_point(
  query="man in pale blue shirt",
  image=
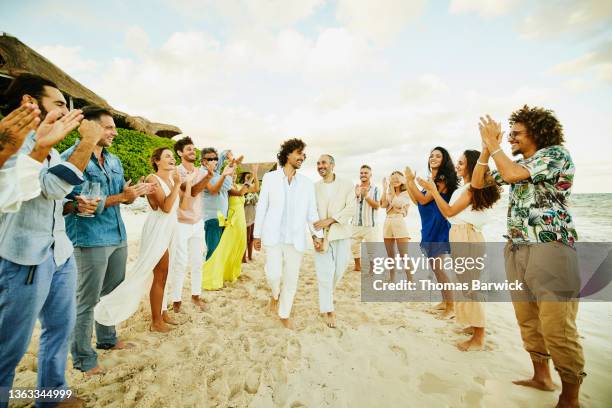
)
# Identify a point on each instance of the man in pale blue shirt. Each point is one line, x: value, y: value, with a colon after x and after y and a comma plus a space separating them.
x: 215, y: 200
x: 37, y: 269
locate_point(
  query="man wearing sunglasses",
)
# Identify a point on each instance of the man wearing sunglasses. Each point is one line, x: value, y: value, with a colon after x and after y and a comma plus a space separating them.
x: 215, y: 200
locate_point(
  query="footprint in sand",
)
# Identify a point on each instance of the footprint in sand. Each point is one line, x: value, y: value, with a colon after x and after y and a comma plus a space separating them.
x: 432, y: 384
x: 294, y: 350
x: 400, y: 352
x: 253, y: 380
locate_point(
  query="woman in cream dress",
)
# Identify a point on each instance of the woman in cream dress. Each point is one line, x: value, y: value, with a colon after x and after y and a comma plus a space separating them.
x: 151, y: 269
x: 468, y: 211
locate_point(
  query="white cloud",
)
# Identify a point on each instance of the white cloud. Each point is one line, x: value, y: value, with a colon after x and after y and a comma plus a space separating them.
x: 485, y: 8
x: 583, y: 17
x: 248, y: 15
x: 427, y: 86
x: 68, y: 59
x: 381, y: 20
x: 596, y: 64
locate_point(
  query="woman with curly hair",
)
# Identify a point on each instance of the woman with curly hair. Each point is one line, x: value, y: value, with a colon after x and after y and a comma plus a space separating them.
x: 434, y: 227
x: 540, y: 252
x: 468, y: 211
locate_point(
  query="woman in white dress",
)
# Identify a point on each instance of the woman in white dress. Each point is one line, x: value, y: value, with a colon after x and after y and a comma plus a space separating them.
x: 155, y: 245
x: 468, y: 210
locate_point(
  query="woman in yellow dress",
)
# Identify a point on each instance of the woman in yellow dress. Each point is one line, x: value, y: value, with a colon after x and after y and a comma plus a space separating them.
x: 226, y: 262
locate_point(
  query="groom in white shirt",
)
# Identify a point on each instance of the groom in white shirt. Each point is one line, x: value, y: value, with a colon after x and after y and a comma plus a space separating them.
x: 286, y: 206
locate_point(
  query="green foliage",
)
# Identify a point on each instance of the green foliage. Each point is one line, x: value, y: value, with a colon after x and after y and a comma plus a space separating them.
x: 133, y: 148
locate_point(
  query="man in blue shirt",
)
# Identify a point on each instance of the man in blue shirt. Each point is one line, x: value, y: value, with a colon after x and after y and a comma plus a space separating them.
x: 37, y: 269
x: 100, y: 241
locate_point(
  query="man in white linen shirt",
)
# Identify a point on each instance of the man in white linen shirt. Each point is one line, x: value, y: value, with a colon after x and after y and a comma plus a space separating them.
x: 286, y: 206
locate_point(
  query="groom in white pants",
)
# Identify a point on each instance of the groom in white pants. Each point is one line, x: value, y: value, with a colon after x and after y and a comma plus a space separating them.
x: 286, y: 206
x: 336, y: 206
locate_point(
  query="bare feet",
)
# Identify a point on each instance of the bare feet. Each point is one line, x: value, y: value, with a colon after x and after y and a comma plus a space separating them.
x: 286, y: 323
x: 471, y: 345
x: 273, y: 306
x: 440, y: 306
x: 543, y: 385
x: 166, y: 317
x: 160, y: 327
x: 330, y: 320
x: 176, y: 307
x: 199, y: 302
x: 122, y: 345
x: 97, y: 370
x: 448, y: 313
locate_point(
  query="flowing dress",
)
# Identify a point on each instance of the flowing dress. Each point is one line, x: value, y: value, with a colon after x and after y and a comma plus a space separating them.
x: 157, y: 237
x: 225, y: 264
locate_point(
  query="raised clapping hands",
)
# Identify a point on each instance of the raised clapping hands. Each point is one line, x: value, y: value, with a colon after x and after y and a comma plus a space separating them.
x: 90, y: 131
x: 210, y: 168
x: 229, y: 170
x: 176, y: 176
x: 490, y: 133
x: 428, y: 185
x: 57, y: 126
x: 16, y: 126
x: 409, y: 174
x: 189, y: 177
x: 131, y: 192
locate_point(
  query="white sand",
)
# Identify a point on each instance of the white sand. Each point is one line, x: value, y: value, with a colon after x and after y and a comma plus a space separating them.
x: 382, y: 354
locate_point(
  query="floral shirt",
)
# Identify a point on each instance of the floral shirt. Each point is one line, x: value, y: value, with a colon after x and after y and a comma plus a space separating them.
x: 538, y: 210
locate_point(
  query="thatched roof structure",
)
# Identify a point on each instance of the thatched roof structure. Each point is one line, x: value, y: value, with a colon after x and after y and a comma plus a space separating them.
x: 263, y: 168
x: 16, y: 58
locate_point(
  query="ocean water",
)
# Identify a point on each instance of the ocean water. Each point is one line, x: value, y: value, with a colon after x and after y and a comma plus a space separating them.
x: 592, y: 216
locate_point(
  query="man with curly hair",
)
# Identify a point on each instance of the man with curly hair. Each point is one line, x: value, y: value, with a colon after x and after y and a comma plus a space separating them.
x: 286, y: 206
x: 540, y: 251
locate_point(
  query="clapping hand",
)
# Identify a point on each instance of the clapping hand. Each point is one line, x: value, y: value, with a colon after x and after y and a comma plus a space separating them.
x: 229, y: 170
x: 90, y: 131
x: 16, y: 126
x: 209, y: 166
x: 131, y: 192
x: 409, y: 174
x: 176, y: 176
x: 428, y: 185
x: 490, y: 133
x: 189, y: 177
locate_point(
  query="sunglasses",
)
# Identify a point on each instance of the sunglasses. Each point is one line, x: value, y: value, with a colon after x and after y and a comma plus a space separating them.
x: 211, y: 158
x: 513, y: 134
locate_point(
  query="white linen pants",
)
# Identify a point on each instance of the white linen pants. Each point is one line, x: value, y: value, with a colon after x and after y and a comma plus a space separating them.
x: 282, y: 272
x: 330, y: 266
x: 189, y: 249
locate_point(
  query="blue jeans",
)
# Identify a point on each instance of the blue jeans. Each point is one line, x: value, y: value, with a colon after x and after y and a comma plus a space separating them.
x: 101, y: 269
x: 212, y: 235
x: 49, y: 297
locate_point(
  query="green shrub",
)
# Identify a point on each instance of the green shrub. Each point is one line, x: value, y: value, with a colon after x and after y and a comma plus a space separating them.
x: 133, y: 149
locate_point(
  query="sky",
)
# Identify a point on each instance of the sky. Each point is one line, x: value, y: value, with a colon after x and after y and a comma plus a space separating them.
x: 370, y: 82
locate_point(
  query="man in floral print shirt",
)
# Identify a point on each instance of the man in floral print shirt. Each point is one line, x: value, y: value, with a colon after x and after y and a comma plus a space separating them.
x: 541, y: 236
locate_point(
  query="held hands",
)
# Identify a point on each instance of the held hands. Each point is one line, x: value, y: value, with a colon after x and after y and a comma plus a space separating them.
x: 317, y: 243
x: 257, y: 244
x: 87, y: 206
x: 490, y: 133
x: 16, y: 126
x: 322, y: 224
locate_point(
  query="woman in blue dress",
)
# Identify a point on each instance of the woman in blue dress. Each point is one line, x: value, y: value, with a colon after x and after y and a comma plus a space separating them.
x: 434, y: 226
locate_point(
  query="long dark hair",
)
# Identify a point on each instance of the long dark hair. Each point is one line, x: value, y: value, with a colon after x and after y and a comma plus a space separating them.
x: 446, y: 172
x: 156, y: 156
x: 481, y: 197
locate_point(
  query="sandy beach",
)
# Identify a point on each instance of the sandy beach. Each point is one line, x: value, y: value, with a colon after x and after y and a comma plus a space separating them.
x: 381, y: 354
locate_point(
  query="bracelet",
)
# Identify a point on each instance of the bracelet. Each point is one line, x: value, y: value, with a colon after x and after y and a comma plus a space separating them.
x: 481, y: 163
x: 495, y: 152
